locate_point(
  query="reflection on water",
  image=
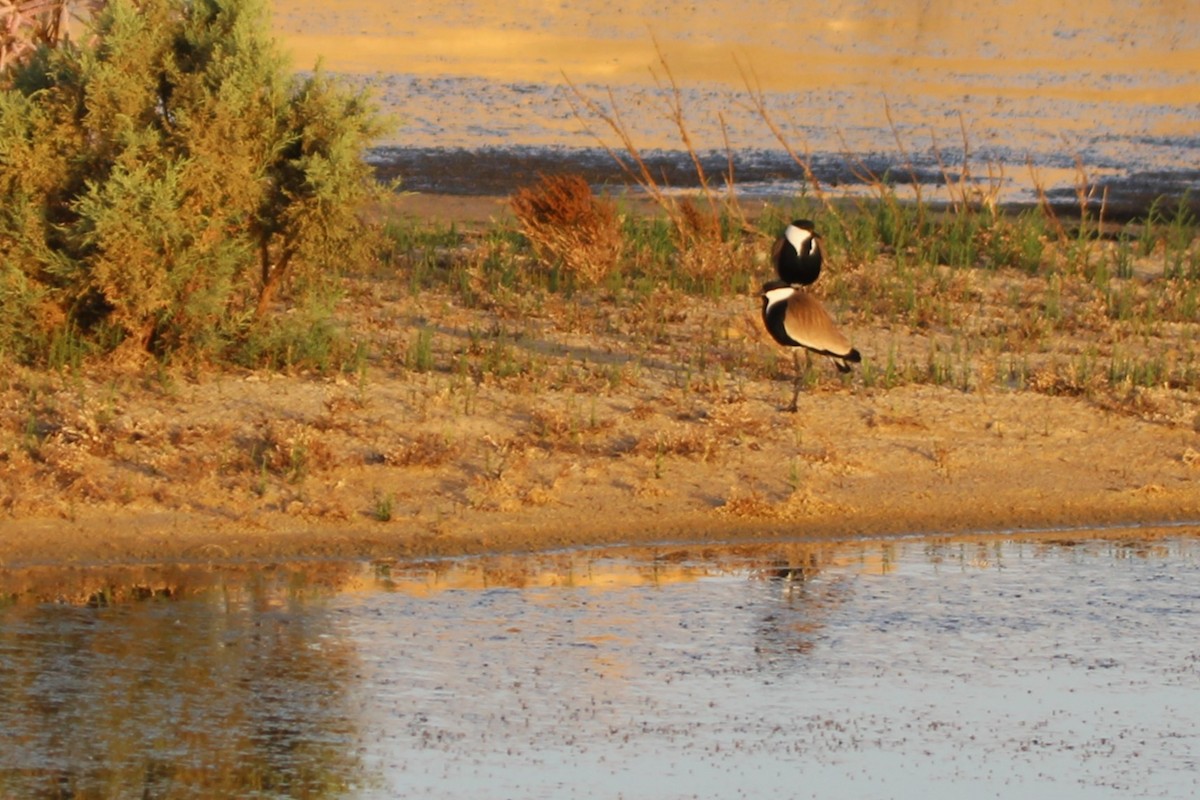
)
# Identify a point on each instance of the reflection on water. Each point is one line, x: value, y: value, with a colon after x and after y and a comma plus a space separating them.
x: 233, y: 691
x: 1113, y: 83
x: 939, y: 667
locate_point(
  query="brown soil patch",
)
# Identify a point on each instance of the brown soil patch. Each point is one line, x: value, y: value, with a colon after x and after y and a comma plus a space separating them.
x: 666, y: 427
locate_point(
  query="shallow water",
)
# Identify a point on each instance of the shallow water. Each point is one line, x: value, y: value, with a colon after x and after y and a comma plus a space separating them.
x: 852, y: 82
x: 933, y: 668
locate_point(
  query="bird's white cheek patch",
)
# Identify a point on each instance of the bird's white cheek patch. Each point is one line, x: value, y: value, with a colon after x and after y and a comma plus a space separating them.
x: 779, y: 295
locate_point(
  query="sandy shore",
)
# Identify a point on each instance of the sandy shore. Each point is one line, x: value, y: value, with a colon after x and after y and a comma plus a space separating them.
x: 587, y: 439
x: 851, y: 463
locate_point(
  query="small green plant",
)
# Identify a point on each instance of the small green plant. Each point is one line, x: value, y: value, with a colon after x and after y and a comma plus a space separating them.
x: 297, y: 462
x: 262, y: 480
x: 1122, y: 256
x: 1180, y: 234
x: 1052, y: 300
x: 420, y: 353
x: 66, y: 350
x: 1148, y: 236
x: 383, y: 506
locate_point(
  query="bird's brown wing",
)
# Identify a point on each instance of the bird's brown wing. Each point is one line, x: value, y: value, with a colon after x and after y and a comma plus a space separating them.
x: 808, y: 323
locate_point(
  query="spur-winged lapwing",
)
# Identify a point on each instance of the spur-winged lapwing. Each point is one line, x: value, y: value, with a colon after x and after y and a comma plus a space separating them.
x: 797, y: 254
x: 792, y: 316
x: 796, y: 319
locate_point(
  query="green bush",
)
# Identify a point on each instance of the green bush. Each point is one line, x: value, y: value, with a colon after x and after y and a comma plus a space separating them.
x: 169, y: 184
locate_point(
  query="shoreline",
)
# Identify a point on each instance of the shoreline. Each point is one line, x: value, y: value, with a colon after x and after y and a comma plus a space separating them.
x: 175, y: 542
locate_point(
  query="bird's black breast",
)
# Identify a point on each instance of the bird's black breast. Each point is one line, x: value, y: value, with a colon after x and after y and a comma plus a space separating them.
x: 802, y: 266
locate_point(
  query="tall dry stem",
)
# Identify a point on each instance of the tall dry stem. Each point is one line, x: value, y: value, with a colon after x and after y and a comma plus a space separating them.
x: 965, y: 197
x: 675, y: 114
x: 698, y: 233
x: 1047, y: 209
x: 635, y: 168
x: 733, y: 207
x: 758, y: 104
x: 1085, y: 193
x: 703, y: 248
x: 908, y: 162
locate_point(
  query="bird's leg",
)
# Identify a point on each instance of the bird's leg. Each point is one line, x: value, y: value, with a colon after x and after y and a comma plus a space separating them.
x: 795, y: 382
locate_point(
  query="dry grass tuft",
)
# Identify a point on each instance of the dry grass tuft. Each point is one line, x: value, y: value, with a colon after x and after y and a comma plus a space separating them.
x: 700, y: 444
x: 426, y: 450
x: 552, y: 423
x: 1191, y: 458
x: 291, y: 449
x: 643, y: 411
x: 748, y: 505
x: 569, y: 225
x: 755, y: 505
x: 703, y: 250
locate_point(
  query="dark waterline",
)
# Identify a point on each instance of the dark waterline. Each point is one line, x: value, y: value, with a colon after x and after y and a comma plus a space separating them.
x: 759, y: 174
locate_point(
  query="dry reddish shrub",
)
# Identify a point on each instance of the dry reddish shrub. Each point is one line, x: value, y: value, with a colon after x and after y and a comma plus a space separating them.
x: 569, y: 225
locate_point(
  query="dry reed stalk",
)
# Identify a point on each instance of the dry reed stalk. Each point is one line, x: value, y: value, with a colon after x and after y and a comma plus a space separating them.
x: 703, y: 249
x: 758, y: 104
x: 961, y: 204
x: 1085, y: 193
x: 1085, y: 190
x: 908, y: 162
x: 995, y: 184
x: 964, y: 196
x: 990, y: 198
x: 698, y: 237
x: 567, y: 224
x: 1044, y: 201
x: 675, y: 114
x: 642, y: 175
x: 731, y: 201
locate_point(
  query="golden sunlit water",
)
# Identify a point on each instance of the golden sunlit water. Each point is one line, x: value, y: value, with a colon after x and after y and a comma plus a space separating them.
x: 1062, y: 666
x: 1112, y: 86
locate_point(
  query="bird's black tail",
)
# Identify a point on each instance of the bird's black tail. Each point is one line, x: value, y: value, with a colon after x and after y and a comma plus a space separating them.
x: 843, y: 362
